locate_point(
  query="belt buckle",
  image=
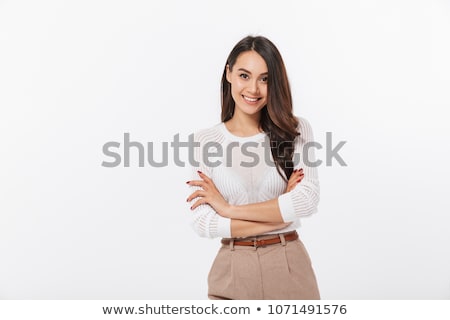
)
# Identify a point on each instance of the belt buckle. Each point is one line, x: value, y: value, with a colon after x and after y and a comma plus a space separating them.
x: 262, y: 243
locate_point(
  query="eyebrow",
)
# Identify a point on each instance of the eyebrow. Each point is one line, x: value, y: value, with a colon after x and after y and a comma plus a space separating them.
x: 262, y: 74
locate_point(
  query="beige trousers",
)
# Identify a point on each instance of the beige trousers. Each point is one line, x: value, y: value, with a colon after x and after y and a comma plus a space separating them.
x: 276, y: 272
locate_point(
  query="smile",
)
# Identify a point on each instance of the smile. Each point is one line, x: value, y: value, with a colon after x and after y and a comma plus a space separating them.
x: 250, y: 99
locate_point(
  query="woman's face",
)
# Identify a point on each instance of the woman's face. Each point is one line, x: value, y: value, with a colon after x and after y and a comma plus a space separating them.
x: 248, y: 81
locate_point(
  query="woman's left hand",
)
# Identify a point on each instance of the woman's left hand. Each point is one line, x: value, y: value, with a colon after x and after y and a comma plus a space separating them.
x: 208, y: 194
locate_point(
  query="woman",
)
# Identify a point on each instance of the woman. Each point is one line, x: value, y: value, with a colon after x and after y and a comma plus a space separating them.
x: 255, y: 178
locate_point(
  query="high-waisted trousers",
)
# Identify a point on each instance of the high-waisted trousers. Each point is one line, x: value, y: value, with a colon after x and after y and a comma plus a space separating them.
x: 281, y: 271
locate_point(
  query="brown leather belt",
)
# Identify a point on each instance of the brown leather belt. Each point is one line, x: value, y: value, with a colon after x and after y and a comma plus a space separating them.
x: 291, y: 236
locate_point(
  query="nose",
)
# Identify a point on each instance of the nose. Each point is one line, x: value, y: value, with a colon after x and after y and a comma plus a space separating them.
x: 254, y: 87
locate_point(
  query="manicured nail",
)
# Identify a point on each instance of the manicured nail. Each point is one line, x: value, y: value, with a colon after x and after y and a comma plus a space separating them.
x: 191, y: 208
x: 299, y: 180
x: 199, y: 171
x: 188, y: 181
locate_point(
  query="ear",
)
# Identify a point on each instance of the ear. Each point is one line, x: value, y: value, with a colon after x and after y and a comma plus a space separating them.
x: 228, y: 73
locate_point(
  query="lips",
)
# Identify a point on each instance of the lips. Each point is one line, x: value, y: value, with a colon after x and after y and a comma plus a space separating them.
x: 250, y: 99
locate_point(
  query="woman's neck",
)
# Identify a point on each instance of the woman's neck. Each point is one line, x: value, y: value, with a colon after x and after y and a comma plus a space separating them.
x: 244, y: 125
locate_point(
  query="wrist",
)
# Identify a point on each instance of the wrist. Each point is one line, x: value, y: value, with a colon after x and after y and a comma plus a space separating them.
x: 230, y: 211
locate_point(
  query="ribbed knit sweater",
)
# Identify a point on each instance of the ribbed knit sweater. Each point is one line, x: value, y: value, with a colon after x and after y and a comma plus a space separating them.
x: 243, y: 170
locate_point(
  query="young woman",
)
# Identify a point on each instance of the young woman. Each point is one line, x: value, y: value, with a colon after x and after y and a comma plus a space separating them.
x: 253, y: 180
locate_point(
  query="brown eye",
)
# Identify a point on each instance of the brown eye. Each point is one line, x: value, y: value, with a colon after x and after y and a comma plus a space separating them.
x: 264, y: 79
x: 243, y: 76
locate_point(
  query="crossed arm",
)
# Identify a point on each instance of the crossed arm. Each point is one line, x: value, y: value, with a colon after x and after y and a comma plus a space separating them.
x: 246, y: 220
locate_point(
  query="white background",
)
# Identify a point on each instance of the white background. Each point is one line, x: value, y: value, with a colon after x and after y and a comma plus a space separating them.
x: 77, y: 74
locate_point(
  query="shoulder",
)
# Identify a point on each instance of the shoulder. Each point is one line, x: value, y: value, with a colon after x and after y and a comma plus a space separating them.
x: 213, y: 133
x: 304, y: 128
x: 303, y: 124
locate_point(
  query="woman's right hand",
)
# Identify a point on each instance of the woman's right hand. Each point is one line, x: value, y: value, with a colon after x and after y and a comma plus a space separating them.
x: 296, y: 177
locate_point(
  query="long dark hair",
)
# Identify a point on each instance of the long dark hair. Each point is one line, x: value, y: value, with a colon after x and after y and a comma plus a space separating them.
x: 277, y: 119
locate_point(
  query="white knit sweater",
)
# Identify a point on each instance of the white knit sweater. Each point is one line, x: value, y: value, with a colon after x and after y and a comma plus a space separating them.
x: 243, y: 170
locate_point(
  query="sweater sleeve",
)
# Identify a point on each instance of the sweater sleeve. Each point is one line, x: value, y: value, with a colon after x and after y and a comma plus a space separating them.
x: 304, y: 198
x: 205, y: 221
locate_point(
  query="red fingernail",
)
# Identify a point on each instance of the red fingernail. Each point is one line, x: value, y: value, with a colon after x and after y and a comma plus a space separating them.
x: 188, y: 181
x: 187, y: 200
x: 199, y: 171
x: 191, y: 208
x: 299, y: 180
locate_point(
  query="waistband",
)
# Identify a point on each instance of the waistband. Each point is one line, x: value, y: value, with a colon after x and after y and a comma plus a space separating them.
x: 261, y: 241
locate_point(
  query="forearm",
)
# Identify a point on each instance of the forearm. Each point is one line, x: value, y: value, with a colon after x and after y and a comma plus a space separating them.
x: 244, y: 228
x: 301, y: 201
x: 267, y: 211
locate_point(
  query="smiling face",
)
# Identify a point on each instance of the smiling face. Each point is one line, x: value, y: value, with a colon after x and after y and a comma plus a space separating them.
x: 248, y: 79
